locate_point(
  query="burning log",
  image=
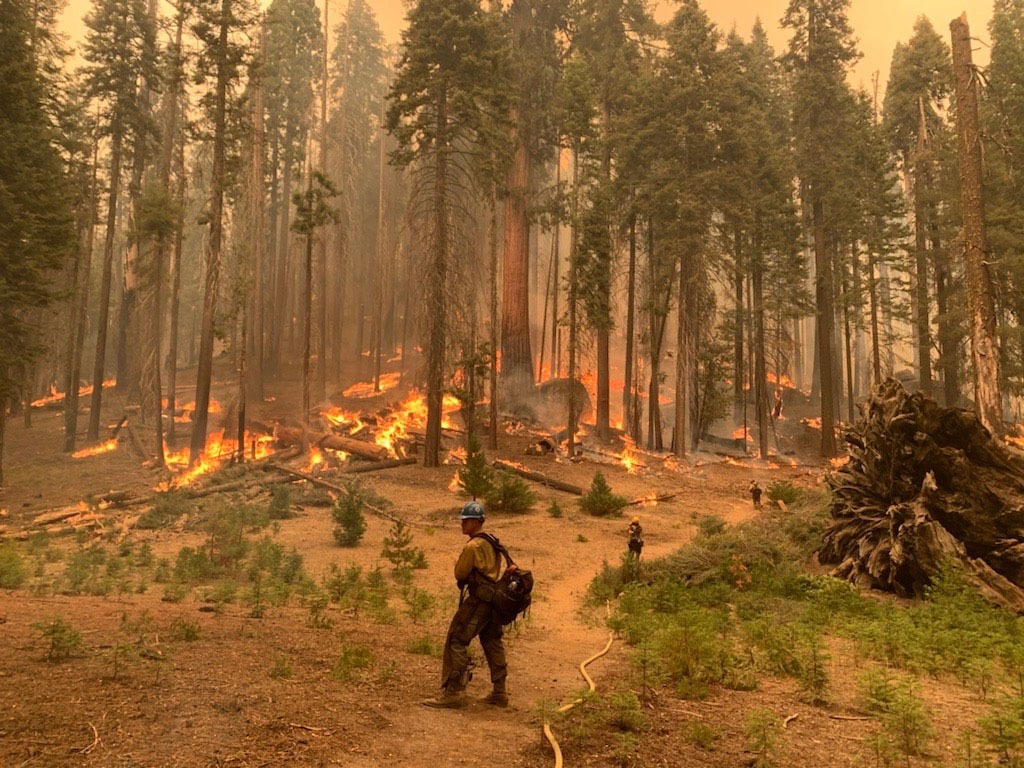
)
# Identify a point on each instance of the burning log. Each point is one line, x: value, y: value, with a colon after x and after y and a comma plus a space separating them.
x: 537, y: 477
x: 288, y: 436
x: 925, y: 485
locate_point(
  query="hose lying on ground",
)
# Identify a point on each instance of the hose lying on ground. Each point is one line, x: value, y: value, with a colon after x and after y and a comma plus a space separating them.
x: 566, y: 707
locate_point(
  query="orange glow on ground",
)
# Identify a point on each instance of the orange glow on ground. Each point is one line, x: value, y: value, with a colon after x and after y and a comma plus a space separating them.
x: 95, y: 450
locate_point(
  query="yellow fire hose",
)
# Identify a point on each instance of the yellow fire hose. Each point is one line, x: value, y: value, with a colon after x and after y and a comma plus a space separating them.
x: 566, y: 707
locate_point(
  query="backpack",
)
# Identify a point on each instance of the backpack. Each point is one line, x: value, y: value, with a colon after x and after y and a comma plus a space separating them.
x: 511, y: 594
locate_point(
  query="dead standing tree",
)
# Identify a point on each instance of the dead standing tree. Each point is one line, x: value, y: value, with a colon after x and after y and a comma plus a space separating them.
x: 925, y: 485
x: 984, y: 339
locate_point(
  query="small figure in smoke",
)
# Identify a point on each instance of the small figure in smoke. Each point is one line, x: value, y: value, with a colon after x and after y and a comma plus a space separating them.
x: 636, y: 538
x: 777, y: 409
x: 755, y: 493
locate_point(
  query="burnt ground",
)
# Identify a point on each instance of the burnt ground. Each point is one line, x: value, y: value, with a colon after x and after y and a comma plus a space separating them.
x: 276, y: 691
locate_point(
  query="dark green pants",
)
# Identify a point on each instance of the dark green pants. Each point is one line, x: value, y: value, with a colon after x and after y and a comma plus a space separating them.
x: 473, y: 619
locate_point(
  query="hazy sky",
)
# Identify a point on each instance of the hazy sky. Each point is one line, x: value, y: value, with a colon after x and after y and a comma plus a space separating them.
x: 878, y: 24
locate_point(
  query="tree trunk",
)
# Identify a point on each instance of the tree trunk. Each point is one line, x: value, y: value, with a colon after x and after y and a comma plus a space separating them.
x: 737, y: 332
x: 493, y: 363
x: 204, y: 372
x: 175, y: 298
x: 760, y: 366
x: 824, y: 312
x: 80, y: 314
x: 436, y: 292
x: 103, y: 318
x: 556, y: 336
x: 573, y: 298
x: 981, y: 307
x: 629, y: 395
x: 516, y: 355
x: 321, y: 355
x: 948, y: 338
x: 684, y: 353
x: 3, y: 434
x: 924, y: 336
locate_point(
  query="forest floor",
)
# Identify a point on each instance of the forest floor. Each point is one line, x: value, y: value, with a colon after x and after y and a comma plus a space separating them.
x: 159, y: 683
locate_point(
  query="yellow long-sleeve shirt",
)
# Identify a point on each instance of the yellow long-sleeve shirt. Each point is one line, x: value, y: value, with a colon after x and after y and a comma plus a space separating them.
x: 478, y: 554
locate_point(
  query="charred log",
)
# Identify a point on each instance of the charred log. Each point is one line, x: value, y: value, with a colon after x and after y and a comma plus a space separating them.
x: 925, y: 485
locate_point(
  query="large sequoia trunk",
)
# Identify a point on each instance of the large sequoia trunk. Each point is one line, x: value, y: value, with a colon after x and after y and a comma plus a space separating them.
x: 925, y: 485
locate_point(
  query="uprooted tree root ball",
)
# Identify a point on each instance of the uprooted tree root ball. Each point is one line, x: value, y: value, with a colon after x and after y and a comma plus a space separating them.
x: 925, y: 485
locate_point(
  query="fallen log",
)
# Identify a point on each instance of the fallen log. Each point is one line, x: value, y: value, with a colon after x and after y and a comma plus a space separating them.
x: 354, y: 469
x: 333, y: 487
x: 650, y: 499
x: 537, y: 477
x: 290, y: 436
x: 926, y: 486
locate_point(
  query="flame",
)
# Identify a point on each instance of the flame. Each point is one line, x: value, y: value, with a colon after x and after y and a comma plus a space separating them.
x: 782, y: 380
x: 316, y: 458
x: 672, y: 464
x: 218, y: 452
x: 740, y: 432
x: 56, y: 396
x: 839, y: 461
x: 456, y: 456
x: 629, y: 458
x: 814, y: 423
x: 348, y: 420
x: 364, y: 389
x: 650, y: 500
x: 1014, y: 440
x: 455, y: 486
x: 411, y: 414
x: 95, y: 450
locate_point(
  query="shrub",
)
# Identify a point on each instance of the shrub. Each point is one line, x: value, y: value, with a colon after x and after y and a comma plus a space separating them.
x: 782, y: 490
x: 398, y: 550
x: 183, y: 630
x: 167, y: 507
x: 763, y: 737
x: 425, y: 646
x: 280, y: 507
x: 64, y: 641
x: 476, y: 478
x: 12, y: 568
x: 348, y: 514
x: 510, y: 495
x: 554, y: 510
x: 599, y: 501
x: 352, y: 659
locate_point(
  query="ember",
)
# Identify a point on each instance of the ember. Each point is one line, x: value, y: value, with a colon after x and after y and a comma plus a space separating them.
x: 364, y: 389
x: 55, y: 396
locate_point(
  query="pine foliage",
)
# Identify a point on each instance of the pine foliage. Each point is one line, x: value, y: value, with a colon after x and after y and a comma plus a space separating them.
x: 599, y: 501
x: 476, y: 478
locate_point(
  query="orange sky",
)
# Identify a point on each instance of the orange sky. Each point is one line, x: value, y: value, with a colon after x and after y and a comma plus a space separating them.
x: 878, y: 24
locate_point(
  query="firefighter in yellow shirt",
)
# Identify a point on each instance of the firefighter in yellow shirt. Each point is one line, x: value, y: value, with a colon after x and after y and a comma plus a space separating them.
x: 478, y: 566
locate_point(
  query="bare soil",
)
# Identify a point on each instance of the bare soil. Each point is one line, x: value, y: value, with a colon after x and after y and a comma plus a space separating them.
x: 215, y: 701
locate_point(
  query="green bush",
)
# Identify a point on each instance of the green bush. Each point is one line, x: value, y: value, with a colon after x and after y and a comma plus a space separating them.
x: 398, y: 550
x: 510, y: 495
x: 280, y: 507
x: 425, y: 646
x: 599, y: 501
x: 12, y: 567
x: 784, y: 491
x: 476, y: 478
x: 353, y: 658
x: 63, y: 640
x: 554, y: 510
x: 167, y: 507
x: 348, y: 516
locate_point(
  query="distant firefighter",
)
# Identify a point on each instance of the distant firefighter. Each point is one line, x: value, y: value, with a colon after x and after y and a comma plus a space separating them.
x: 755, y: 493
x: 636, y: 538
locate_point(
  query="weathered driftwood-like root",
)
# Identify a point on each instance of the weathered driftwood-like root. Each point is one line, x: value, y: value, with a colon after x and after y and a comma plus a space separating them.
x: 926, y: 485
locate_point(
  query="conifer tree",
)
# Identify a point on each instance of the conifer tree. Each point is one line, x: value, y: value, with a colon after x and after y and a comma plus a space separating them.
x: 120, y: 54
x: 36, y: 218
x: 221, y: 26
x: 444, y: 107
x: 820, y: 49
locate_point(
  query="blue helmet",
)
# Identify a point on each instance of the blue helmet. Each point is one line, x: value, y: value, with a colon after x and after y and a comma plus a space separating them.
x: 473, y: 510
